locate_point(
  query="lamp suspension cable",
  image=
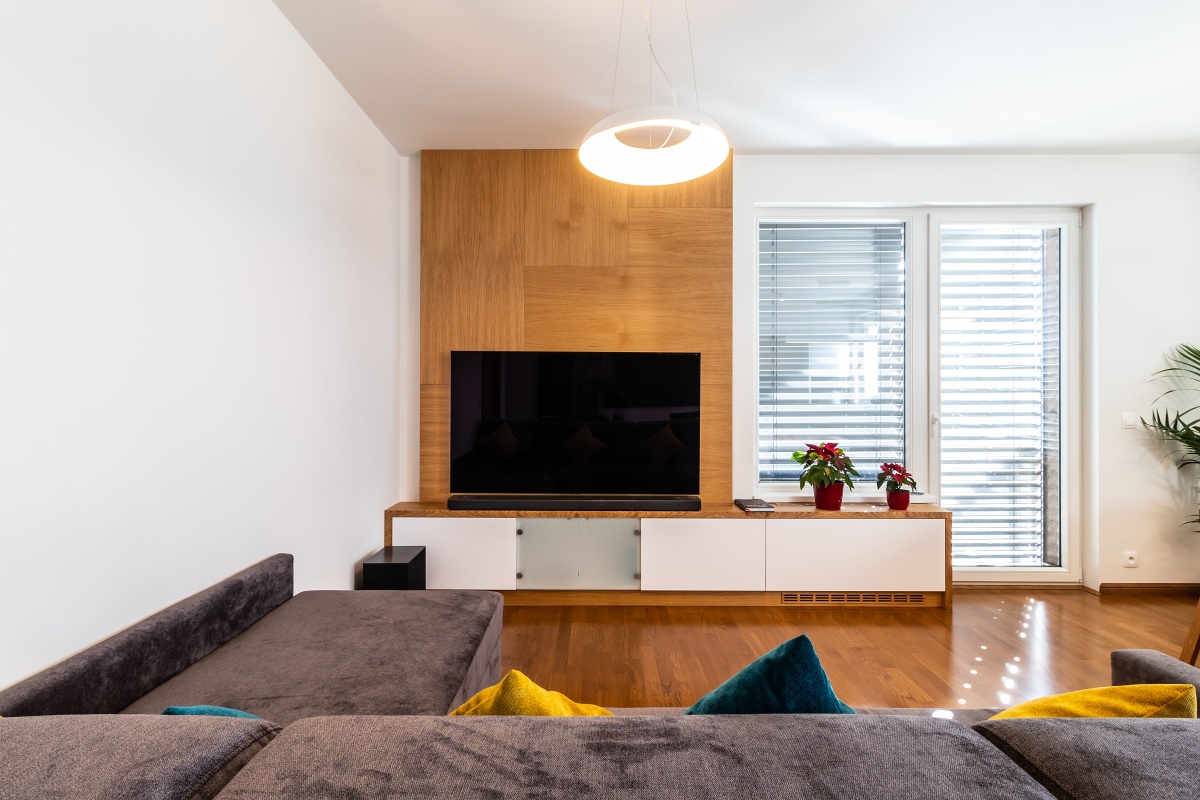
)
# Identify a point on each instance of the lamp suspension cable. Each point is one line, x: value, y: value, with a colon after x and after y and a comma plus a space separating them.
x: 654, y: 55
x: 649, y: 17
x: 691, y: 53
x: 610, y: 149
x: 612, y: 101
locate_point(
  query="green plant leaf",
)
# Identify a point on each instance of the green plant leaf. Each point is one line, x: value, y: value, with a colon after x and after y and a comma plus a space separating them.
x: 1183, y: 364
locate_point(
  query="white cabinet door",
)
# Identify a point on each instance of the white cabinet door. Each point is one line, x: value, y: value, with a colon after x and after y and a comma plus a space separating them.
x: 716, y: 555
x: 855, y: 555
x: 463, y: 553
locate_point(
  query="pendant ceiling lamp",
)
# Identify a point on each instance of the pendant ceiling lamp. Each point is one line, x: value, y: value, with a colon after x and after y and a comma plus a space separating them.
x: 654, y: 145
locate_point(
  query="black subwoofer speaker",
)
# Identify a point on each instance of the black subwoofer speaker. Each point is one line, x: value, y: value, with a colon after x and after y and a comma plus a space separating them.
x: 395, y: 568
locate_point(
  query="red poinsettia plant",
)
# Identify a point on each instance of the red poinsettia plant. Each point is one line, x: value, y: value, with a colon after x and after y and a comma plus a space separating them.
x: 824, y: 465
x: 897, y: 477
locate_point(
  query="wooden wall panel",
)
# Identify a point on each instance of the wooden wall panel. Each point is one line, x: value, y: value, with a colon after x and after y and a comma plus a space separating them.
x: 714, y: 190
x: 674, y: 309
x: 527, y: 250
x: 681, y: 237
x: 572, y: 218
x: 434, y: 461
x: 716, y: 443
x: 472, y: 254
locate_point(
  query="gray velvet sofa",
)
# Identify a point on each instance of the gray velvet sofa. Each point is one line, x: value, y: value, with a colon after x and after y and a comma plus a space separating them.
x: 664, y: 756
x: 361, y: 683
x: 245, y: 643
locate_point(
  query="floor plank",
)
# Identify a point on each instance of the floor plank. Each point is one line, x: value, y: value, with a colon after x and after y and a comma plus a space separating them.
x: 996, y: 648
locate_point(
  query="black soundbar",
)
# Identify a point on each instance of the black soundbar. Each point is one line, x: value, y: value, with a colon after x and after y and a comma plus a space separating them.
x: 572, y: 502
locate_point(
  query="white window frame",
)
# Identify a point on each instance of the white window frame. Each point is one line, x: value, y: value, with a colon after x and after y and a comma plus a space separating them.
x: 914, y: 356
x: 922, y: 254
x: 1070, y: 490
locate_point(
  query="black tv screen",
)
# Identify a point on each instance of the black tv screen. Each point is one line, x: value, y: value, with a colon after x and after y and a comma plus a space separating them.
x: 574, y: 423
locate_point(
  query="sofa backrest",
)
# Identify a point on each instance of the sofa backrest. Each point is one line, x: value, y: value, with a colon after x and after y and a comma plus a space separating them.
x: 108, y: 676
x: 1151, y: 666
x: 760, y: 756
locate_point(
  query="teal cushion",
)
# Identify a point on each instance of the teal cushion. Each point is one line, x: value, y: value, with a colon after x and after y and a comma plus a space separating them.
x: 787, y: 680
x: 208, y: 711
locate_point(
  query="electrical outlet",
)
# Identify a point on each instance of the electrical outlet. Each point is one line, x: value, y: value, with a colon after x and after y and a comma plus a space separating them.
x: 1129, y: 559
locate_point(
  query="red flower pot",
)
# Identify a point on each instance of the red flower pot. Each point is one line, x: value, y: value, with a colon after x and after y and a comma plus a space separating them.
x: 829, y: 498
x: 898, y: 501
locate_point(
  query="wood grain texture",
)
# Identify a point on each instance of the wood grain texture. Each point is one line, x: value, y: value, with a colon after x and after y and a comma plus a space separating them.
x: 434, y: 461
x: 709, y: 511
x: 572, y: 217
x: 681, y: 310
x: 608, y: 598
x: 900, y: 658
x: 714, y: 190
x: 1191, y: 643
x: 526, y: 250
x: 693, y: 237
x: 716, y: 443
x: 1185, y: 589
x: 949, y: 562
x: 472, y: 254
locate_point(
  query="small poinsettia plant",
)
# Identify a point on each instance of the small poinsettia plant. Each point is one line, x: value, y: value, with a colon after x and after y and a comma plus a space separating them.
x: 824, y: 465
x: 898, y: 479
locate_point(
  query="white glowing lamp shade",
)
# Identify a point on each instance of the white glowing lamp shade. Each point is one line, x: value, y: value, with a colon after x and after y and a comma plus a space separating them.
x: 704, y: 149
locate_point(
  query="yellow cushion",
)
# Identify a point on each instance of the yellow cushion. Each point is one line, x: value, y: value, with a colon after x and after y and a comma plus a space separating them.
x: 517, y: 696
x: 1137, y: 700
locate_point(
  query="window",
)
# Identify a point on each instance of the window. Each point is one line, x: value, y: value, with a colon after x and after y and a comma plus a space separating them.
x: 999, y: 372
x: 931, y: 337
x: 831, y: 341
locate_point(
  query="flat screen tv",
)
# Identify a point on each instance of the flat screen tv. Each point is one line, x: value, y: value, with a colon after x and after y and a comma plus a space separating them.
x: 574, y: 423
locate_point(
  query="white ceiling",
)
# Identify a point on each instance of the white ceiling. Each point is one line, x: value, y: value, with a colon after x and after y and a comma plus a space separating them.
x: 780, y: 76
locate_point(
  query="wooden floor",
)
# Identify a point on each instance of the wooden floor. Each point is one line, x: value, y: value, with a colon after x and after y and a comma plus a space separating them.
x: 997, y: 647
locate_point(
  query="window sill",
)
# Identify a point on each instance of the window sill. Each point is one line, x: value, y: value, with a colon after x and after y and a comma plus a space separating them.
x: 849, y: 498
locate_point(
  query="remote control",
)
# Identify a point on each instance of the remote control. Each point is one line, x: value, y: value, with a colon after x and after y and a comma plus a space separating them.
x: 754, y: 504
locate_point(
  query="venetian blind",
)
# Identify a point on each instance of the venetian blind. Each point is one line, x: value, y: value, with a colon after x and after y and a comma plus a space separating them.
x: 999, y: 417
x: 831, y: 342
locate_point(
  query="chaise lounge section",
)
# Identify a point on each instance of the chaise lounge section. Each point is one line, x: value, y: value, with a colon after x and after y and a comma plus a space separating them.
x: 90, y: 726
x: 247, y: 643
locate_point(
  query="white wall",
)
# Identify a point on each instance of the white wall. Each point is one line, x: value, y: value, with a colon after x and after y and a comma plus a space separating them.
x: 408, y: 350
x: 1141, y: 280
x: 198, y: 325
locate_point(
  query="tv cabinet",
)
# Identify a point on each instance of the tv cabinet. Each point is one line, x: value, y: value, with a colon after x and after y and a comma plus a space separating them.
x: 865, y: 555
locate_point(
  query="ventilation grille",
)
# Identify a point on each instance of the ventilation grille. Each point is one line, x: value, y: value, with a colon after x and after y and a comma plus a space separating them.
x: 854, y: 598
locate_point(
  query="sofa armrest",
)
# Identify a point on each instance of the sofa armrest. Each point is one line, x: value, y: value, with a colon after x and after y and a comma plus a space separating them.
x: 109, y: 675
x: 1151, y: 666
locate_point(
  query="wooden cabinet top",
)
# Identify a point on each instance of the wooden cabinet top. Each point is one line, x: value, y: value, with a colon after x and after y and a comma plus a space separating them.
x: 721, y: 511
